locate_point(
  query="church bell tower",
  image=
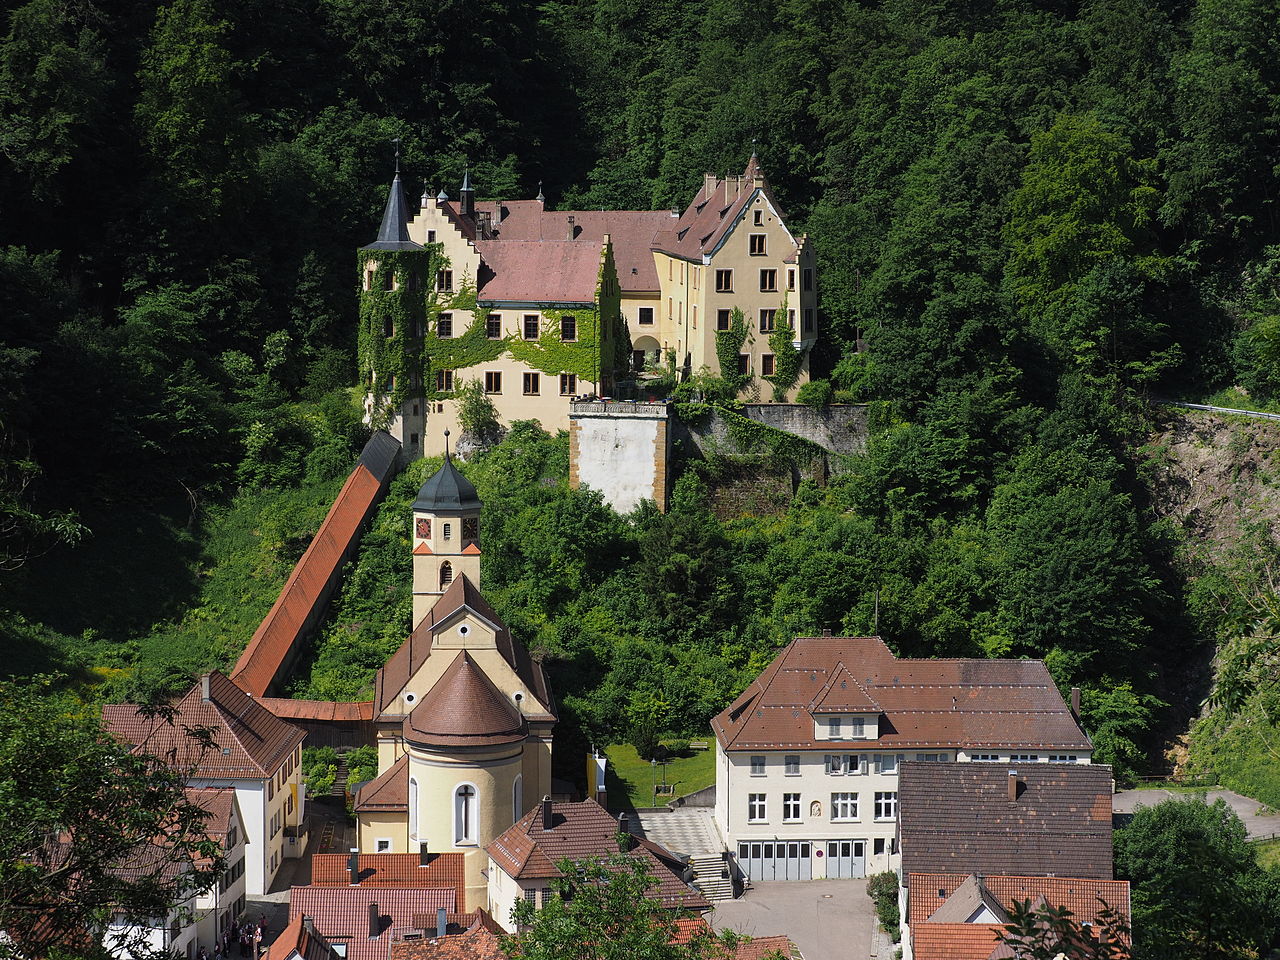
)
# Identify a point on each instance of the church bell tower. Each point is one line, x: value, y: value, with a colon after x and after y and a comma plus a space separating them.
x: 446, y: 535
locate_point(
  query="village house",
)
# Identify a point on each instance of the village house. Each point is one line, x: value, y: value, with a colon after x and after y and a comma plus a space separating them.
x: 808, y: 757
x: 542, y: 306
x: 463, y: 714
x: 200, y: 919
x: 1030, y: 831
x: 300, y: 940
x: 523, y: 860
x: 251, y: 751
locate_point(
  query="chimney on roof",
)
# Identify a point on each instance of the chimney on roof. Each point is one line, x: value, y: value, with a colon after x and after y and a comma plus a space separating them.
x: 572, y: 220
x: 708, y: 183
x: 1013, y: 786
x: 625, y: 827
x: 1075, y: 702
x: 548, y: 814
x: 308, y: 924
x: 826, y: 631
x: 353, y: 864
x: 375, y: 921
x: 541, y: 197
x: 424, y: 857
x: 204, y: 687
x: 442, y: 922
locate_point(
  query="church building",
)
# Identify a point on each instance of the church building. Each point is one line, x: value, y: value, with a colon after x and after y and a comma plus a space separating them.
x: 464, y: 715
x: 538, y: 307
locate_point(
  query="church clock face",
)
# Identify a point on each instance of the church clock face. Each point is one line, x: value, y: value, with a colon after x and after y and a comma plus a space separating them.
x: 424, y: 529
x: 470, y: 528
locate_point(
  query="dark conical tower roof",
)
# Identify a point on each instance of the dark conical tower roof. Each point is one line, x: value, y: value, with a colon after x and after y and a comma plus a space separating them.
x: 447, y: 489
x: 394, y: 233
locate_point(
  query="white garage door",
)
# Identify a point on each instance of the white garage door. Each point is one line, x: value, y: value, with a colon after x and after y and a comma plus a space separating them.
x: 776, y: 859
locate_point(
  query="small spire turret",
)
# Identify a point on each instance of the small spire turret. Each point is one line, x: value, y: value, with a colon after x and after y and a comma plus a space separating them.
x: 467, y: 196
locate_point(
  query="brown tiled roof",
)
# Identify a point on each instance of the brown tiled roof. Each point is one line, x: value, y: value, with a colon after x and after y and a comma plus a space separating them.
x: 306, y: 943
x: 580, y: 831
x: 341, y: 914
x: 970, y: 704
x: 478, y: 942
x: 277, y: 635
x: 711, y: 215
x: 762, y: 947
x: 387, y: 791
x: 533, y: 271
x: 318, y: 710
x: 955, y: 941
x: 395, y: 870
x: 1080, y: 896
x: 843, y: 694
x: 250, y: 741
x: 413, y: 653
x: 464, y: 709
x: 956, y: 818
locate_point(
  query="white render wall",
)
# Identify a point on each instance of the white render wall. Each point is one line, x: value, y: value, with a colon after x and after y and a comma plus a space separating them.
x: 618, y: 455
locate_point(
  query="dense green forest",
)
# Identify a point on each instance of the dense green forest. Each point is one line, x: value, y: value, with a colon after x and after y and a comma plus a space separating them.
x: 1031, y: 220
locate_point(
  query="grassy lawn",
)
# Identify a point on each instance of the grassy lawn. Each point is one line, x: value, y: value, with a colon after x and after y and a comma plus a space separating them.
x: 1268, y: 852
x: 630, y: 777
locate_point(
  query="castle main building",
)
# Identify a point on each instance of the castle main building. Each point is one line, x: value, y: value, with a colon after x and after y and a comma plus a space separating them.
x: 539, y: 307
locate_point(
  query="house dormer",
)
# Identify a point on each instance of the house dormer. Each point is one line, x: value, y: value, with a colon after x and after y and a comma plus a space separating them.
x: 844, y: 710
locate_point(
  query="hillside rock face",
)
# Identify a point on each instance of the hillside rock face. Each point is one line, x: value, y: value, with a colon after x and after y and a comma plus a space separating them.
x: 1215, y: 476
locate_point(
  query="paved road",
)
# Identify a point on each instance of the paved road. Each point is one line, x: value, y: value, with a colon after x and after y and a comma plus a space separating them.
x: 1256, y: 823
x: 827, y: 919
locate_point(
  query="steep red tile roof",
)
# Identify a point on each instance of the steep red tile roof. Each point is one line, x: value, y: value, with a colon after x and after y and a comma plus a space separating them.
x: 546, y: 271
x: 342, y: 914
x: 387, y: 791
x: 395, y: 870
x: 303, y: 940
x: 761, y: 947
x: 478, y: 942
x: 843, y: 693
x: 314, y: 573
x: 714, y: 212
x: 250, y: 741
x: 955, y: 941
x: 1079, y: 895
x: 957, y: 818
x: 464, y: 709
x: 580, y: 831
x: 971, y: 704
x: 408, y: 659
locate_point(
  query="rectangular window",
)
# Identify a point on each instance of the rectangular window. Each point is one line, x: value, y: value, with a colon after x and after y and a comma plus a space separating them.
x: 756, y: 244
x: 755, y: 808
x: 806, y: 278
x: 546, y: 895
x: 877, y: 846
x: 531, y: 895
x: 1024, y: 758
x: 568, y: 328
x: 791, y: 765
x: 833, y: 729
x: 757, y: 766
x: 724, y: 281
x: 744, y: 364
x: 886, y: 806
x: 388, y: 281
x: 766, y: 365
x: 931, y: 757
x: 444, y: 325
x: 856, y: 727
x: 844, y: 806
x: 808, y: 319
x: 645, y: 316
x: 985, y: 758
x: 493, y: 326
x: 769, y: 281
x: 444, y: 381
x: 791, y: 808
x: 835, y: 764
x: 693, y: 316
x: 530, y: 326
x: 1063, y: 758
x: 531, y: 384
x: 444, y: 279
x: 492, y: 381
x: 723, y: 318
x: 368, y: 280
x: 568, y: 384
x: 887, y: 763
x: 768, y: 317
x: 431, y: 236
x: 791, y: 278
x: 759, y: 217
x: 384, y: 845
x: 447, y: 531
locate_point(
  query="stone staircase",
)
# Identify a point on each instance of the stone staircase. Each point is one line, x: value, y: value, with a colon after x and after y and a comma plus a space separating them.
x: 707, y: 877
x: 340, y: 780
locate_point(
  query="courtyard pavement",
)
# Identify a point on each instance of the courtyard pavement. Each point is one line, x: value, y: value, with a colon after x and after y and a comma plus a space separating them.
x: 1256, y: 823
x: 826, y: 919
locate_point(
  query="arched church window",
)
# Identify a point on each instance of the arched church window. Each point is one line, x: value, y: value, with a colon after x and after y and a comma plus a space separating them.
x: 464, y: 814
x: 446, y: 574
x: 413, y: 808
x: 517, y: 798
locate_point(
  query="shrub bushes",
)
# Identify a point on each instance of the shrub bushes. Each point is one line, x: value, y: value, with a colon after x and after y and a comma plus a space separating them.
x: 883, y: 889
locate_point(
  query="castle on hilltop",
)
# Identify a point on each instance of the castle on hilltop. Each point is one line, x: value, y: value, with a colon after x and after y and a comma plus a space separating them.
x: 539, y: 307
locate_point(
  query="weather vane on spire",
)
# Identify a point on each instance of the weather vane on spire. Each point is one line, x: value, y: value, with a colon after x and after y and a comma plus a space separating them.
x: 753, y: 146
x: 396, y: 141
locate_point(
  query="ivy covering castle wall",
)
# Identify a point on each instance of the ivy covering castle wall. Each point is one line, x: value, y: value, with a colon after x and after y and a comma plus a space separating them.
x: 393, y: 309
